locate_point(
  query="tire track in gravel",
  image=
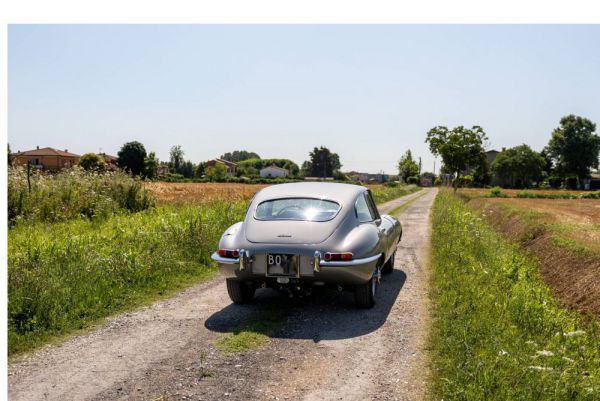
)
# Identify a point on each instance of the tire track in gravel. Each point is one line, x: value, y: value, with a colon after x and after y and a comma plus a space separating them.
x: 327, y: 349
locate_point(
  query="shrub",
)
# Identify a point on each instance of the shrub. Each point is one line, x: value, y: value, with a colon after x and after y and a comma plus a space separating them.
x: 496, y: 192
x: 413, y: 180
x: 391, y: 184
x: 571, y: 183
x: 555, y: 182
x: 73, y: 193
x: 92, y: 161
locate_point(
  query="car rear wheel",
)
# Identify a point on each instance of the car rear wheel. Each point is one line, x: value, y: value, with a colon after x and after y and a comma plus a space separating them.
x: 389, y: 265
x: 364, y: 294
x: 240, y: 293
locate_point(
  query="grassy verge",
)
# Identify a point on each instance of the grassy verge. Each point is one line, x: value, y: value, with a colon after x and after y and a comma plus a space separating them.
x: 404, y: 206
x: 382, y: 193
x: 497, y: 332
x: 254, y: 331
x: 65, y: 276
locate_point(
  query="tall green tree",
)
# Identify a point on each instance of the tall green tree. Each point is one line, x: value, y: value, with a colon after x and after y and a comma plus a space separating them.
x: 92, y: 161
x: 407, y: 167
x: 482, y: 174
x: 151, y: 164
x: 518, y: 167
x: 323, y: 162
x: 574, y: 147
x: 187, y: 169
x: 239, y: 155
x: 199, y: 170
x: 131, y: 157
x: 176, y: 158
x: 458, y: 148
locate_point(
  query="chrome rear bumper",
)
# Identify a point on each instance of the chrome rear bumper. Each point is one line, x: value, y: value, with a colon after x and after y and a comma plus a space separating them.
x: 353, y: 272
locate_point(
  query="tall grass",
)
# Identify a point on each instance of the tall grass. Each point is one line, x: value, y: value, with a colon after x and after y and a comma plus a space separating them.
x: 63, y: 276
x: 72, y: 193
x: 497, y: 333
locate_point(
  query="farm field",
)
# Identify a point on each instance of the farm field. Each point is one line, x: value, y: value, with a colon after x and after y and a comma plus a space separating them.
x: 503, y: 274
x: 513, y: 193
x: 199, y: 193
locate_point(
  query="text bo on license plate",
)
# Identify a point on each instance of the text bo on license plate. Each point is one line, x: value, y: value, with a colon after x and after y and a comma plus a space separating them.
x: 279, y: 264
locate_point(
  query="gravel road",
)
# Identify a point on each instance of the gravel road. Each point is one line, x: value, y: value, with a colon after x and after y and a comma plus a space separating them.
x: 325, y: 349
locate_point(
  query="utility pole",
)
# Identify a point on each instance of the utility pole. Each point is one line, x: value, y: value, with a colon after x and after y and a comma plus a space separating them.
x: 419, y: 165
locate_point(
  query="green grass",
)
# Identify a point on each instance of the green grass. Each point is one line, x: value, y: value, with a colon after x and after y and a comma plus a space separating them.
x: 72, y: 194
x: 497, y: 332
x: 382, y: 193
x: 65, y: 276
x: 255, y: 331
x: 404, y: 206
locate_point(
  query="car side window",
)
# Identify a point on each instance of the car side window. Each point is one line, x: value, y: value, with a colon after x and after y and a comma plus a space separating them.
x: 372, y: 206
x: 363, y: 211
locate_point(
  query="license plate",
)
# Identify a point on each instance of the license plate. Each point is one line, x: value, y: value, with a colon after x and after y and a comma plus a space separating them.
x: 279, y: 264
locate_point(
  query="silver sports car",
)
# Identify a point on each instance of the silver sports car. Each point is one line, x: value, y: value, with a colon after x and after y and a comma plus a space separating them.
x: 300, y: 235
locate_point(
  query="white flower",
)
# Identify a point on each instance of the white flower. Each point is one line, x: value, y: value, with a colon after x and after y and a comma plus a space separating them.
x: 574, y: 333
x: 539, y: 368
x: 545, y: 353
x: 502, y: 352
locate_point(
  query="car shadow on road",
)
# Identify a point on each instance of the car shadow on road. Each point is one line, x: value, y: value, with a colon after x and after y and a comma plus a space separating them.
x: 325, y: 315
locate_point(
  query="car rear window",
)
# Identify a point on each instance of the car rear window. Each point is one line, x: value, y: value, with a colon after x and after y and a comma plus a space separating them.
x: 305, y: 209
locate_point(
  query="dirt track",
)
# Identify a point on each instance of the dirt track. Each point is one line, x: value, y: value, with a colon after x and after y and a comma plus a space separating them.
x: 326, y: 350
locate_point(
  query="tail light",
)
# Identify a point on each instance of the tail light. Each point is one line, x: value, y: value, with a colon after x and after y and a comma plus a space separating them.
x: 338, y: 256
x: 229, y: 253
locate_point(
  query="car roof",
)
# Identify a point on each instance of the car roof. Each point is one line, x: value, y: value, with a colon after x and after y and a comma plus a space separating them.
x: 342, y: 193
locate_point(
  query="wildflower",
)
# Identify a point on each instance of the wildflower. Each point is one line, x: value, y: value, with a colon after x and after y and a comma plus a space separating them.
x: 543, y: 368
x: 545, y: 353
x: 574, y: 333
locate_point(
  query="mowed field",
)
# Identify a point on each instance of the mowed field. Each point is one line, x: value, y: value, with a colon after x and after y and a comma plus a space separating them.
x: 172, y: 193
x: 199, y: 193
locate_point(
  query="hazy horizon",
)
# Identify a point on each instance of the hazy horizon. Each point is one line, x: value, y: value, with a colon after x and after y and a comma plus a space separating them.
x: 367, y: 92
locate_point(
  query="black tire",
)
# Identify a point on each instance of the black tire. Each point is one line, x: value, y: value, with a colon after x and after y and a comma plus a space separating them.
x: 388, y: 267
x: 239, y: 292
x: 364, y: 296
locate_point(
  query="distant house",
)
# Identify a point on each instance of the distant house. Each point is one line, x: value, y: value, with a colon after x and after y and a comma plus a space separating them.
x: 368, y: 177
x: 111, y: 162
x: 274, y: 171
x: 593, y: 182
x: 49, y: 159
x: 163, y: 170
x: 231, y: 166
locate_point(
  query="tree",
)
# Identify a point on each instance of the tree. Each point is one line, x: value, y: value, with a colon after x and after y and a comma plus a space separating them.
x: 187, y: 169
x: 519, y: 166
x: 574, y: 147
x: 482, y: 174
x: 151, y: 164
x: 239, y: 155
x: 92, y: 161
x: 458, y: 148
x: 218, y: 172
x: 176, y: 158
x: 407, y: 167
x: 199, y: 170
x: 323, y: 163
x: 131, y: 157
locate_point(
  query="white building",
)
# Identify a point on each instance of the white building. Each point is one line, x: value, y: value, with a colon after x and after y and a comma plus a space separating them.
x: 273, y: 171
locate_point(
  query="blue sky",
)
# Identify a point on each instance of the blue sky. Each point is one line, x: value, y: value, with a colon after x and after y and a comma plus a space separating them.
x: 368, y: 92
